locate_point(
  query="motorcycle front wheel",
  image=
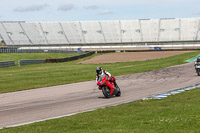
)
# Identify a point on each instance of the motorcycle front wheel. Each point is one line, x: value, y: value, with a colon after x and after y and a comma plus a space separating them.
x: 106, y: 91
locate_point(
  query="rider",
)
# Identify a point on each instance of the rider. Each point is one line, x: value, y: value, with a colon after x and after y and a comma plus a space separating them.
x: 100, y: 72
x: 197, y: 62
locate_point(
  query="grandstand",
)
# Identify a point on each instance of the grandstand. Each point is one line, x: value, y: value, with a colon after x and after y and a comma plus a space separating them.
x: 100, y: 32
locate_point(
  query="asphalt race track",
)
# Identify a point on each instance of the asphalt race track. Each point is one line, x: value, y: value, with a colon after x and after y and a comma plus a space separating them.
x: 43, y: 103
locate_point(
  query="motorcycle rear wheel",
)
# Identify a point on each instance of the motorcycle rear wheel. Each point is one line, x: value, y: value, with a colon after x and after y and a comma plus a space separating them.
x: 118, y: 93
x: 198, y: 72
x: 106, y: 91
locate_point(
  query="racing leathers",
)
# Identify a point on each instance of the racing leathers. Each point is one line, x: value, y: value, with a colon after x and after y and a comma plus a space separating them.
x: 111, y: 78
x: 196, y: 63
x: 102, y: 73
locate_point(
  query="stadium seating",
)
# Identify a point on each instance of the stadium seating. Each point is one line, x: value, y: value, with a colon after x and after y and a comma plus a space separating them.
x: 5, y: 35
x: 149, y: 30
x: 73, y: 32
x: 100, y: 32
x: 54, y: 33
x: 169, y: 30
x: 34, y: 33
x: 111, y: 31
x: 131, y: 31
x: 92, y: 32
x: 189, y: 29
x: 16, y: 33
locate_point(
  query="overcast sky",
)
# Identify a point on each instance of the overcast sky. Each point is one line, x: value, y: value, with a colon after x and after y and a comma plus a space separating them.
x: 90, y: 10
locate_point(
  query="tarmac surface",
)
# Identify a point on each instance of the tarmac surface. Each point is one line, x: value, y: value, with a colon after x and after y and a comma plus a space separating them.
x: 37, y: 104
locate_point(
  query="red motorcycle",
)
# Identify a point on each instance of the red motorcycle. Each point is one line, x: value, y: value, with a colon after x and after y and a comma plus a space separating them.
x: 108, y: 88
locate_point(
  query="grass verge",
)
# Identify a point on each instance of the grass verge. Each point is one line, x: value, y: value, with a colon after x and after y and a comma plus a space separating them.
x: 50, y: 74
x: 178, y: 113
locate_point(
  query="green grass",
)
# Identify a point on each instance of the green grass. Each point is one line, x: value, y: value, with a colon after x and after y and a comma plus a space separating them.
x: 22, y: 56
x: 178, y: 113
x: 49, y: 74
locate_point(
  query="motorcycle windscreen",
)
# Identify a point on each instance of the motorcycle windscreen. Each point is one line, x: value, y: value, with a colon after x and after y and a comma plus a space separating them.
x: 101, y: 78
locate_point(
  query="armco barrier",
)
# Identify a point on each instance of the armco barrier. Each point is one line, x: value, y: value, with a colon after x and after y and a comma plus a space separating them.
x: 32, y: 50
x: 28, y: 62
x: 7, y: 63
x: 69, y: 58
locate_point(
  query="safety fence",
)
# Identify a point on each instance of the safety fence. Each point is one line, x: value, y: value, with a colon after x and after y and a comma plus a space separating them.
x: 70, y: 58
x: 32, y: 50
x: 7, y: 63
x: 32, y: 61
x: 29, y: 62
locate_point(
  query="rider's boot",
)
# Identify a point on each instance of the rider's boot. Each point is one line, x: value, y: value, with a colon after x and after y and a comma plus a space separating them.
x: 115, y: 84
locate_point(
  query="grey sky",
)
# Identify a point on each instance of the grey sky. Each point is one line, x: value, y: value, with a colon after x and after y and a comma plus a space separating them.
x: 66, y: 7
x: 92, y: 7
x: 31, y: 8
x: 105, y: 12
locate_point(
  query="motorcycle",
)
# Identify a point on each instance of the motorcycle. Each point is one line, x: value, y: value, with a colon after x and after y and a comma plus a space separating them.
x: 197, y: 67
x: 108, y: 88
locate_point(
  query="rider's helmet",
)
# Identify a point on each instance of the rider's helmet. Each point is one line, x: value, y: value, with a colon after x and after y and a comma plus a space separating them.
x: 99, y: 70
x: 198, y: 59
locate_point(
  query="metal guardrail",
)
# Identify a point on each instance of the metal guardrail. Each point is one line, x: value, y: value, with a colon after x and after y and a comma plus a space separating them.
x: 32, y: 50
x: 116, y: 46
x: 7, y: 63
x: 29, y: 62
x: 70, y: 58
x: 32, y: 61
